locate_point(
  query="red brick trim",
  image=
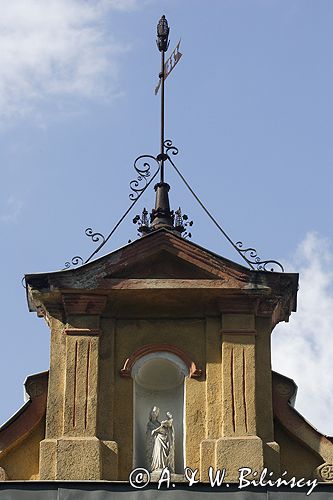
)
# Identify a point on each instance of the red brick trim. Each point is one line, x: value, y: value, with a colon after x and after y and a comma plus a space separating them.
x: 238, y: 331
x: 93, y: 332
x: 126, y: 370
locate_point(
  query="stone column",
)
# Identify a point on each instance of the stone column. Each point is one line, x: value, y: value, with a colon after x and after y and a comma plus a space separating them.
x: 73, y: 450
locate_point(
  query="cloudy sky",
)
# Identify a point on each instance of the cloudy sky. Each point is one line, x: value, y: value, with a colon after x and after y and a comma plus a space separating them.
x: 250, y: 107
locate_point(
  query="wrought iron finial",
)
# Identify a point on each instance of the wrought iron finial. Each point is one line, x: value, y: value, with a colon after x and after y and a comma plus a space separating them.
x: 143, y: 222
x: 162, y: 34
x: 181, y: 223
x: 174, y: 221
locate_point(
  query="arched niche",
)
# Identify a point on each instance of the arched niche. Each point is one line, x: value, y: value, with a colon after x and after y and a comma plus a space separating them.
x: 158, y: 381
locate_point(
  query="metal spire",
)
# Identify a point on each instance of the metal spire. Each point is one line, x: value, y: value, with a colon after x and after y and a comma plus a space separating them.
x: 162, y: 42
x: 161, y: 215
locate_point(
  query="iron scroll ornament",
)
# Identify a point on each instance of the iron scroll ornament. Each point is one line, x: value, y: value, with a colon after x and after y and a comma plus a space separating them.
x: 76, y: 261
x: 139, y: 184
x: 144, y: 172
x: 95, y: 237
x: 251, y: 257
x: 170, y: 147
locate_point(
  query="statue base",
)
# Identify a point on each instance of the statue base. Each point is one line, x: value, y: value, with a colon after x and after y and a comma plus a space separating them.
x: 155, y: 476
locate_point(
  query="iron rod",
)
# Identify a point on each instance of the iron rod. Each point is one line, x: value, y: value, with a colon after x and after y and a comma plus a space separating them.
x: 208, y: 213
x: 162, y: 114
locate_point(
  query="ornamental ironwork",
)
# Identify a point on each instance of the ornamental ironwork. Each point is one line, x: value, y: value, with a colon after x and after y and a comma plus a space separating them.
x: 161, y: 215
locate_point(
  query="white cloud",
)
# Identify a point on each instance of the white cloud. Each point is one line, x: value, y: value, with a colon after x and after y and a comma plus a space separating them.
x: 56, y: 48
x: 123, y: 5
x: 11, y: 210
x: 303, y: 349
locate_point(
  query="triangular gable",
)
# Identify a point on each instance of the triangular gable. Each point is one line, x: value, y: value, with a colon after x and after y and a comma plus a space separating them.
x: 159, y: 254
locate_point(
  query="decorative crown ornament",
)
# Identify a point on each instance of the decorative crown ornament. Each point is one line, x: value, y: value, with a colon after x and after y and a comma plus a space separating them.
x: 162, y: 34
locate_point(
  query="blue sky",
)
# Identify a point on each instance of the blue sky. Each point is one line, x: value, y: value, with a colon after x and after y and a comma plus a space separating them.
x: 250, y: 107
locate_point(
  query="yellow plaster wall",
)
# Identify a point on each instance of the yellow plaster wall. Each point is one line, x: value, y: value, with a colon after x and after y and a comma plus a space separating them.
x: 22, y: 462
x: 296, y: 458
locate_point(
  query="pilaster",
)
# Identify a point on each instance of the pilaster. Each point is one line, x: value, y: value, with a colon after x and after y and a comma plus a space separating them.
x: 73, y: 450
x: 244, y: 438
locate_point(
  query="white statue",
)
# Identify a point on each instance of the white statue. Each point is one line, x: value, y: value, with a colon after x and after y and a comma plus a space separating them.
x: 153, y: 423
x: 161, y: 442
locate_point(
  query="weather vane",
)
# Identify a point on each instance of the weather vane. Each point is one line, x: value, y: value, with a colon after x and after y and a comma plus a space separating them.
x: 162, y: 42
x: 161, y: 216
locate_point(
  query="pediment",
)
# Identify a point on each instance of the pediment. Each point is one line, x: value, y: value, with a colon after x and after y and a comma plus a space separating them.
x: 163, y: 255
x: 163, y: 260
x: 170, y: 261
x: 161, y: 265
x: 160, y: 255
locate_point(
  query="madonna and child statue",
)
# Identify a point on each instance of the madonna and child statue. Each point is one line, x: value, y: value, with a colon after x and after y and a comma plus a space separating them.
x: 160, y: 442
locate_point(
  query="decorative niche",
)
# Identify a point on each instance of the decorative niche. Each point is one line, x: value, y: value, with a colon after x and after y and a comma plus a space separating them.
x: 158, y: 379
